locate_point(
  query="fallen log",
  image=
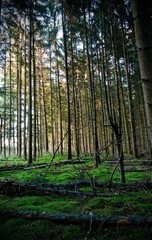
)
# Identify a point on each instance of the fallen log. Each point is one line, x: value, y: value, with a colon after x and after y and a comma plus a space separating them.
x: 77, y: 185
x: 73, y: 193
x: 13, y: 188
x: 16, y: 188
x: 23, y: 167
x: 40, y: 165
x: 94, y: 184
x: 65, y: 218
x: 138, y: 170
x: 71, y: 162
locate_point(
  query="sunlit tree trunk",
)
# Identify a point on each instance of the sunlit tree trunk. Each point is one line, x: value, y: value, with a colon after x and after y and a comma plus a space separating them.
x: 117, y: 124
x: 19, y: 83
x: 92, y: 95
x: 51, y: 98
x: 130, y: 100
x: 60, y: 109
x: 34, y: 97
x: 40, y: 115
x: 10, y: 98
x: 101, y: 72
x: 25, y: 96
x: 67, y: 82
x: 30, y: 125
x: 45, y: 113
x: 75, y: 118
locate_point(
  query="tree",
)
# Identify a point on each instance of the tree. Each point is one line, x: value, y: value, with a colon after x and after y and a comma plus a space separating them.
x: 30, y: 125
x: 64, y: 63
x: 64, y: 26
x: 142, y: 12
x: 92, y: 88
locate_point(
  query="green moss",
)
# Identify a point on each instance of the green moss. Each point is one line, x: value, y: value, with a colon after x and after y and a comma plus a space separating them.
x: 37, y: 203
x: 19, y: 229
x: 131, y: 202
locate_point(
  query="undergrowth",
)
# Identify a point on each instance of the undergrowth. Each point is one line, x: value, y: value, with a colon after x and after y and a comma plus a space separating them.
x: 136, y: 201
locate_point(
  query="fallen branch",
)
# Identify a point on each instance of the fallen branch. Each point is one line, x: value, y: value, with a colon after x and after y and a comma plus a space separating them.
x: 9, y: 188
x: 138, y: 170
x: 23, y: 167
x: 15, y: 188
x: 37, y: 166
x: 85, y: 183
x: 55, y: 153
x: 65, y: 218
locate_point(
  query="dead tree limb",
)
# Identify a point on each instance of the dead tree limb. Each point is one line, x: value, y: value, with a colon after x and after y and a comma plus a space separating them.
x: 15, y: 189
x: 55, y: 153
x: 23, y: 167
x: 65, y: 218
x: 78, y: 184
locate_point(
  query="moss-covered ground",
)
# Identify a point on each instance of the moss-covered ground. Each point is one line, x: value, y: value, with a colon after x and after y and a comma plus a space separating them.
x: 136, y: 201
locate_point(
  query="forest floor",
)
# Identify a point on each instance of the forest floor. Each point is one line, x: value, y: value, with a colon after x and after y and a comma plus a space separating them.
x: 62, y: 200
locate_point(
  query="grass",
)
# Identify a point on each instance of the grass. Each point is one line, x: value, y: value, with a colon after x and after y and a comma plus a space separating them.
x: 137, y: 202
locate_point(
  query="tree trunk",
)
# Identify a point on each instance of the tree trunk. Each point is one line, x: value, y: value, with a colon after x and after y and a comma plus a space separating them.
x: 10, y: 98
x: 142, y: 12
x: 75, y: 117
x: 25, y: 97
x: 30, y: 125
x: 130, y: 99
x: 20, y: 99
x: 92, y: 92
x: 79, y: 218
x: 45, y: 113
x: 4, y: 127
x: 34, y: 99
x: 51, y: 99
x: 67, y: 82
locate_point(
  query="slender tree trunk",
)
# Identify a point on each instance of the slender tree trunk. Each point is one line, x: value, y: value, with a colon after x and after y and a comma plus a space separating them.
x: 74, y: 99
x: 51, y: 99
x: 45, y: 113
x: 60, y: 109
x: 25, y: 98
x: 82, y: 124
x: 92, y: 95
x: 130, y: 99
x: 20, y: 100
x: 40, y: 116
x: 10, y: 102
x: 34, y: 99
x: 118, y: 127
x: 4, y: 128
x: 1, y: 126
x: 67, y: 83
x: 115, y: 121
x: 30, y: 125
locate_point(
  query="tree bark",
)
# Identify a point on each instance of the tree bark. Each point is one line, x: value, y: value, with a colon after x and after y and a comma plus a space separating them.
x: 12, y: 189
x: 79, y: 218
x: 142, y: 12
x: 92, y: 90
x: 64, y: 26
x: 25, y: 95
x: 30, y: 125
x: 78, y: 184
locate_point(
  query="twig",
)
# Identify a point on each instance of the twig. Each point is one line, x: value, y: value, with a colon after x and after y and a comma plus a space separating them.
x: 55, y: 153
